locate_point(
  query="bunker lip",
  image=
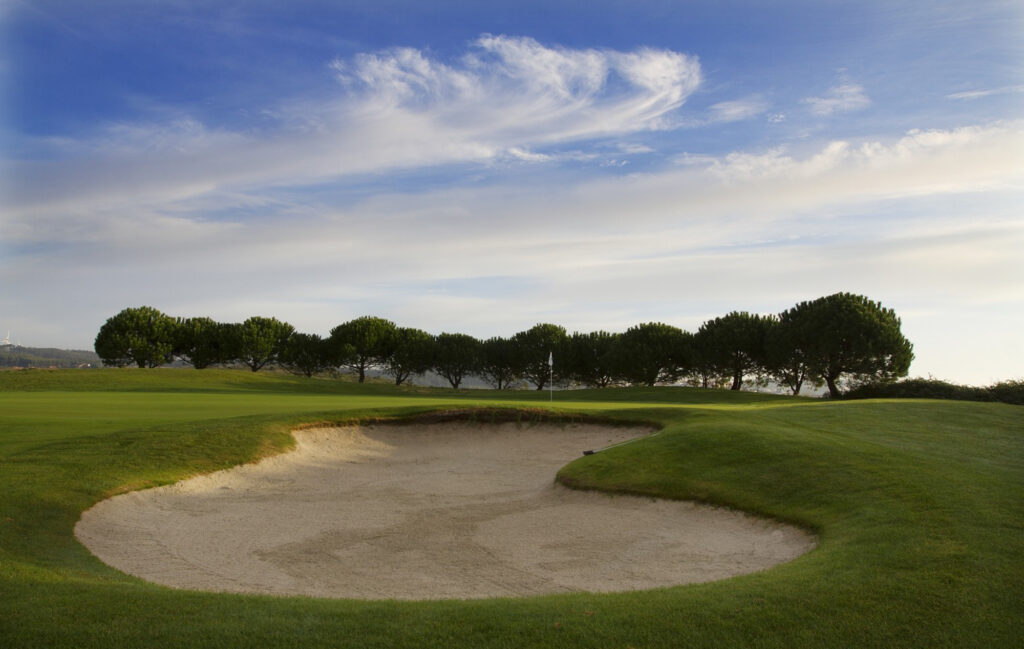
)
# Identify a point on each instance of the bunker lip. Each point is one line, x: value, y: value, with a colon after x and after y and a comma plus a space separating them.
x: 435, y: 508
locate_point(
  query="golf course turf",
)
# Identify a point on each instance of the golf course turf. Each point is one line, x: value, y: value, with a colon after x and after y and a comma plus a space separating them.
x: 918, y: 507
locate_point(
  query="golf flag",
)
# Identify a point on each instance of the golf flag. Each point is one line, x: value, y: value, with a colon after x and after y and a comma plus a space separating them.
x: 551, y: 359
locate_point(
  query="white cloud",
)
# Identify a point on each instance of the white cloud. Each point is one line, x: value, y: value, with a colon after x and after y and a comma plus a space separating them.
x: 527, y: 156
x: 401, y: 109
x: 843, y: 98
x: 978, y: 94
x: 971, y: 158
x: 521, y: 92
x: 714, y: 201
x: 633, y: 148
x: 710, y: 190
x: 736, y: 110
x: 404, y: 75
x: 743, y: 166
x: 562, y: 73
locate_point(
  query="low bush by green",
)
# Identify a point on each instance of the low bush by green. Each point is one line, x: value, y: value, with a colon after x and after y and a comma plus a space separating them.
x: 1008, y: 392
x: 919, y: 388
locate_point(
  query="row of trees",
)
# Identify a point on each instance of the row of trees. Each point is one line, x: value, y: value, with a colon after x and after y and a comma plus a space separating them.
x: 147, y: 337
x: 834, y: 339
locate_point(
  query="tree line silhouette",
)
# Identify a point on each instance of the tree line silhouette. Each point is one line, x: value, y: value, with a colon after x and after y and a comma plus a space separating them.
x: 834, y: 340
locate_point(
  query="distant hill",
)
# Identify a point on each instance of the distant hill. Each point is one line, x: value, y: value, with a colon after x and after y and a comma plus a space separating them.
x: 18, y: 356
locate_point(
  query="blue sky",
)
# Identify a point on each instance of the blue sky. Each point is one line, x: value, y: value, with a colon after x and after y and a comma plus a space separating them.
x: 480, y: 167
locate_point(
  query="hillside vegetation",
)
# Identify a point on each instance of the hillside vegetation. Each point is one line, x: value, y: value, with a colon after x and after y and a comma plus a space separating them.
x: 46, y: 357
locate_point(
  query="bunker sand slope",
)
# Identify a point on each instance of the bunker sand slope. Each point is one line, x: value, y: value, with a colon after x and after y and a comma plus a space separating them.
x: 424, y: 511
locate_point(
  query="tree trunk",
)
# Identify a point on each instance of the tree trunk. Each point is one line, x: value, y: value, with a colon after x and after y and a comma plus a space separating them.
x: 833, y: 391
x: 737, y: 381
x: 801, y: 374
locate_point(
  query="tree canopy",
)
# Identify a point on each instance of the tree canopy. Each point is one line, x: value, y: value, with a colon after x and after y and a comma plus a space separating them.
x: 412, y: 352
x: 734, y: 344
x: 535, y: 346
x: 500, y: 364
x: 261, y: 340
x: 197, y: 341
x: 305, y: 354
x: 851, y: 336
x: 785, y: 356
x: 651, y: 353
x: 592, y: 358
x: 140, y: 335
x: 368, y: 340
x: 456, y: 356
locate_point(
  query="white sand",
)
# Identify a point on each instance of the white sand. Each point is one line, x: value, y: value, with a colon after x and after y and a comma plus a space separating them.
x: 425, y: 511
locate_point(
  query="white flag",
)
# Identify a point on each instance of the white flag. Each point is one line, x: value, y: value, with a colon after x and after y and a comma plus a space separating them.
x: 551, y: 359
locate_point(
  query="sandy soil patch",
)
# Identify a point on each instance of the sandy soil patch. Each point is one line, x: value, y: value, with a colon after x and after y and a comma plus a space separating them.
x: 425, y: 511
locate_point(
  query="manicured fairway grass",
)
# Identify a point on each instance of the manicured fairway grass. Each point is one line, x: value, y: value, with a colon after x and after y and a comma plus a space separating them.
x: 919, y: 507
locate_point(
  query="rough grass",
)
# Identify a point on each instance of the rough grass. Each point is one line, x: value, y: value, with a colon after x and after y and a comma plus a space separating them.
x: 919, y: 506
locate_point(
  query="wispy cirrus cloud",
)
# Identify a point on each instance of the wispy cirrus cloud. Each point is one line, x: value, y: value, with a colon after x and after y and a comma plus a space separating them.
x: 397, y: 109
x: 739, y: 109
x: 978, y: 94
x: 843, y: 98
x: 711, y: 200
x: 518, y: 91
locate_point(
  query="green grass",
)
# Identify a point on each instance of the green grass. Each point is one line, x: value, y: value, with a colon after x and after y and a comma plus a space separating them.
x: 919, y: 508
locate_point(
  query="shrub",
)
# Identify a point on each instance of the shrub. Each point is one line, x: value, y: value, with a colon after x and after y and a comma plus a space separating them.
x: 1008, y: 392
x: 919, y: 388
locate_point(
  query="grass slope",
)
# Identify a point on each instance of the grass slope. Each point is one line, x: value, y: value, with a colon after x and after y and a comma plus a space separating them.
x: 919, y: 506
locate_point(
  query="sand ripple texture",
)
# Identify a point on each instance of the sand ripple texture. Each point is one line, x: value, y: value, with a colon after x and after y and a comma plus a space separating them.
x: 424, y: 511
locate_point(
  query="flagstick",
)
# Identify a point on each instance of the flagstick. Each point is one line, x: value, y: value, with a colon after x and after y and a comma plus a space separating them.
x: 551, y: 376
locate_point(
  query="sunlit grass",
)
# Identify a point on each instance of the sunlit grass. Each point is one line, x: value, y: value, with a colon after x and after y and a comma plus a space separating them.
x: 919, y: 508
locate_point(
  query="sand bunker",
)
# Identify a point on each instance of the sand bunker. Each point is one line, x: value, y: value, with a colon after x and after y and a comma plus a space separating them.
x: 424, y: 511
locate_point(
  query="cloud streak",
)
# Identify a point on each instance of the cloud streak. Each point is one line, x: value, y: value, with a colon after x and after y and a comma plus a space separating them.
x: 978, y: 94
x: 736, y: 110
x: 715, y: 203
x: 843, y: 98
